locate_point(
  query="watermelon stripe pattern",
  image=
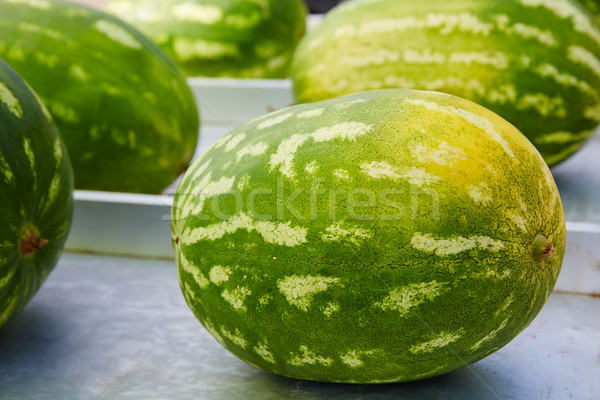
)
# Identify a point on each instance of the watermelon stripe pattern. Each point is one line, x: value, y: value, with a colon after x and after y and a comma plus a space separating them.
x: 320, y: 255
x: 221, y: 38
x: 36, y: 190
x: 593, y: 6
x: 122, y: 106
x: 536, y: 63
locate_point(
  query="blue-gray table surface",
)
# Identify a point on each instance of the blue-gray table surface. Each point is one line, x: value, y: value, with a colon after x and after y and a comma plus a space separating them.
x: 118, y: 328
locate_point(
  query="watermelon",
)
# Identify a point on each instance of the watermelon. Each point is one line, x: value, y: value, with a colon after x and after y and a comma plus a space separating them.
x: 536, y: 63
x: 593, y: 6
x: 221, y: 38
x: 36, y: 193
x: 384, y: 236
x: 123, y: 107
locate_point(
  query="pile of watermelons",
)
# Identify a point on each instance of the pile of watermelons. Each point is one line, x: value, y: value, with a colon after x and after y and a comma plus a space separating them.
x: 400, y: 223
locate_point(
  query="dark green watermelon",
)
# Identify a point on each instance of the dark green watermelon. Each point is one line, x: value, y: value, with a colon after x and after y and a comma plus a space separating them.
x: 535, y: 63
x: 124, y: 109
x: 36, y: 193
x: 221, y: 38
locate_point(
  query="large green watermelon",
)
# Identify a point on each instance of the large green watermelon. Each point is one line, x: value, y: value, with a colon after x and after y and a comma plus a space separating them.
x: 36, y: 194
x: 221, y: 38
x: 379, y: 237
x: 122, y: 106
x: 534, y: 62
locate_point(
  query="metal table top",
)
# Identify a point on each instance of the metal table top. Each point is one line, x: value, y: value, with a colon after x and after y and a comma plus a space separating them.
x: 118, y: 328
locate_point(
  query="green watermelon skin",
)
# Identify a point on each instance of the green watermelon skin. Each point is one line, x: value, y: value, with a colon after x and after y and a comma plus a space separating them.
x: 122, y: 106
x: 593, y: 6
x: 221, y: 38
x: 287, y: 269
x: 36, y: 193
x: 535, y: 63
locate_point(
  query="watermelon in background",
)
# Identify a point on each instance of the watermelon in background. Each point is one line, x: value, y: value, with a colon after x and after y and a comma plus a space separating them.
x: 123, y: 107
x: 221, y: 38
x: 384, y: 236
x: 536, y: 63
x: 36, y: 194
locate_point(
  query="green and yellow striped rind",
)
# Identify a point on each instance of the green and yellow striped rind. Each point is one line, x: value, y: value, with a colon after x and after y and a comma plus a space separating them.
x: 593, y: 6
x: 378, y: 237
x: 536, y: 63
x: 122, y: 106
x: 36, y: 189
x: 221, y: 38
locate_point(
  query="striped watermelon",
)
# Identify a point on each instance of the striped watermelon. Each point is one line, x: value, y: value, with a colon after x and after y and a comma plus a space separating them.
x: 125, y: 111
x: 221, y: 38
x: 36, y: 190
x: 593, y: 6
x: 384, y: 236
x: 534, y: 62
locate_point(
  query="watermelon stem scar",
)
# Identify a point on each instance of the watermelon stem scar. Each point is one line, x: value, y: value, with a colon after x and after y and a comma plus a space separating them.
x: 31, y: 241
x: 541, y: 249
